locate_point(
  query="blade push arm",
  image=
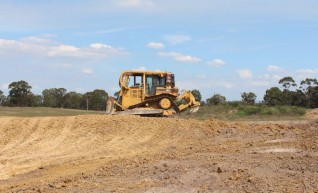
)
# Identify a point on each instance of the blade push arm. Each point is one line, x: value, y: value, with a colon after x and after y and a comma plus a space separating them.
x: 191, y: 102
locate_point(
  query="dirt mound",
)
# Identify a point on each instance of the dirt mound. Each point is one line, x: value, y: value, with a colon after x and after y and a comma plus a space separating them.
x: 95, y: 153
x: 312, y: 114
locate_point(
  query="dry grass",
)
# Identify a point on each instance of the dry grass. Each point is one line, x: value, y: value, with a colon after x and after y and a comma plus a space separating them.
x: 42, y: 112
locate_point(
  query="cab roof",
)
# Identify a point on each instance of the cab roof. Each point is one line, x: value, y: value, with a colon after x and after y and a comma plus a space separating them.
x: 139, y: 72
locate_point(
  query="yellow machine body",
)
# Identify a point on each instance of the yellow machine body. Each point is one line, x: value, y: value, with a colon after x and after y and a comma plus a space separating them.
x: 150, y: 93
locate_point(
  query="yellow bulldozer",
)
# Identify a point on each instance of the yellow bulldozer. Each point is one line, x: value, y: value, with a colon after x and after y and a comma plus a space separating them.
x: 150, y: 93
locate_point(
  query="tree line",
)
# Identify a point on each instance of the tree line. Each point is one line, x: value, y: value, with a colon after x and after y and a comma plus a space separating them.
x: 289, y: 94
x: 20, y: 95
x: 304, y: 94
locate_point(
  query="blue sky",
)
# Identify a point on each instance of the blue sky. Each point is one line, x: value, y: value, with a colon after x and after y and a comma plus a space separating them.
x: 226, y: 47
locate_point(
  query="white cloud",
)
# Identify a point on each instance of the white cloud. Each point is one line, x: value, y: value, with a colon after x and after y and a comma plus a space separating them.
x: 226, y: 85
x: 307, y: 71
x: 177, y: 39
x: 42, y: 40
x: 180, y: 57
x: 155, y: 45
x: 12, y: 47
x: 40, y: 47
x: 260, y: 83
x: 100, y: 46
x: 302, y: 74
x: 216, y: 63
x: 107, y: 31
x: 66, y: 66
x: 4, y: 86
x: 63, y: 50
x: 74, y: 67
x: 211, y: 39
x: 196, y: 83
x: 79, y: 90
x: 87, y: 70
x: 272, y: 68
x: 244, y: 73
x: 8, y: 44
x: 274, y: 77
x: 135, y: 3
x: 141, y: 68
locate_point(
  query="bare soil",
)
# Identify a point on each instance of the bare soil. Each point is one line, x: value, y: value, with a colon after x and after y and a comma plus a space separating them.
x: 312, y: 114
x: 98, y: 153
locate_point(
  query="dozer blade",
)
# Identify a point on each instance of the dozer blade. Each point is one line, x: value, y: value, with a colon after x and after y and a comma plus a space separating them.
x: 194, y: 109
x: 110, y: 106
x: 140, y: 112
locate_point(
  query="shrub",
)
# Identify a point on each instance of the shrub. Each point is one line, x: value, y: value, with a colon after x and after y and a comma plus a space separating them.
x: 248, y: 110
x: 269, y: 111
x: 245, y: 110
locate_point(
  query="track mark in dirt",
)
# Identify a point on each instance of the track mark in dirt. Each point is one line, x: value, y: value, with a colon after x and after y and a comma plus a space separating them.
x: 279, y: 150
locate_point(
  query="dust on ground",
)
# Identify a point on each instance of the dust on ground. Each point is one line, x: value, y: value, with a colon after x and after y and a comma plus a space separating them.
x: 96, y: 153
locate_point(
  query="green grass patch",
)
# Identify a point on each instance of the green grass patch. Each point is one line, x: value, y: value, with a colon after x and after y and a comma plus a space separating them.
x: 217, y: 112
x: 248, y: 112
x: 225, y: 112
x: 42, y: 112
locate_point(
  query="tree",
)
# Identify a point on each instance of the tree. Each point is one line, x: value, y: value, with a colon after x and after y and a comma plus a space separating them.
x: 54, y: 97
x: 289, y: 96
x: 202, y: 103
x: 314, y: 97
x: 216, y: 100
x: 309, y: 89
x: 2, y: 98
x: 35, y: 100
x: 273, y: 96
x: 73, y: 100
x: 19, y: 93
x: 59, y: 94
x: 96, y: 100
x: 116, y: 95
x: 197, y: 95
x: 308, y: 83
x: 48, y: 98
x: 248, y: 97
x: 287, y: 83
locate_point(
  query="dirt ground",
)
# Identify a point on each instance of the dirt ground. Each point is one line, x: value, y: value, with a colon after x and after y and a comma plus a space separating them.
x: 99, y: 153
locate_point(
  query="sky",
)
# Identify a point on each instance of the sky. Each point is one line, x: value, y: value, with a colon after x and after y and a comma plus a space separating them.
x: 218, y: 47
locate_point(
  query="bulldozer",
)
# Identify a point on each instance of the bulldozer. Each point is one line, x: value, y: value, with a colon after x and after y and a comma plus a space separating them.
x: 150, y: 93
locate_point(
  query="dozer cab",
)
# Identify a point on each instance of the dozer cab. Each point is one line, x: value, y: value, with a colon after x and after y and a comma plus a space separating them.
x: 150, y: 93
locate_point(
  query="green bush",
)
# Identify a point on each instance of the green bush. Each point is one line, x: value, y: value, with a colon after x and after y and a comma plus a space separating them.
x: 269, y: 111
x: 291, y: 110
x: 234, y: 103
x: 248, y: 110
x: 245, y: 110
